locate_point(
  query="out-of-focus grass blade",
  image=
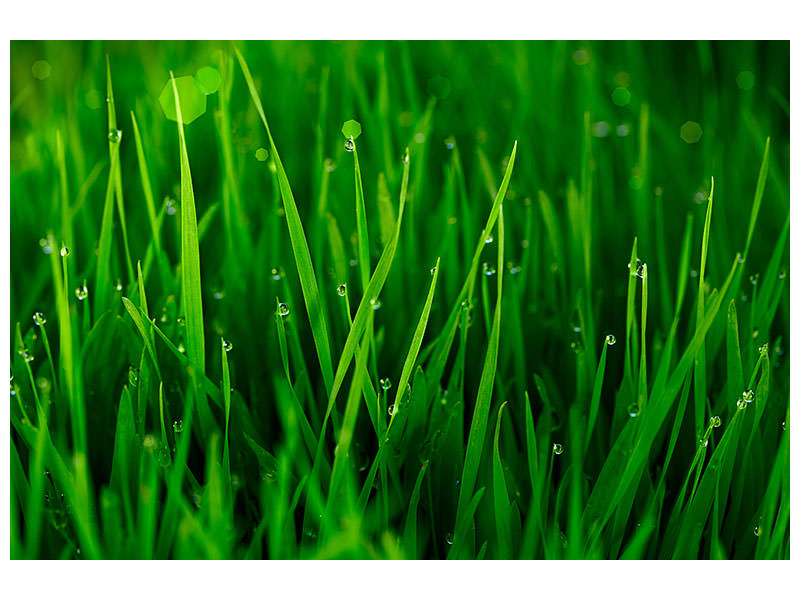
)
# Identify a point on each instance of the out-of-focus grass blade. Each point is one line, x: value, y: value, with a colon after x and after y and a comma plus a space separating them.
x: 762, y: 182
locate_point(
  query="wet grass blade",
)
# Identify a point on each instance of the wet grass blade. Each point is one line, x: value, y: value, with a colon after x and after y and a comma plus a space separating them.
x: 480, y: 416
x: 302, y: 256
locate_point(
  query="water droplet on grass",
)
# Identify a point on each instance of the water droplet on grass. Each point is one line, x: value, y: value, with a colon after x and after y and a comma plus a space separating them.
x: 133, y: 376
x: 748, y: 396
x: 349, y: 145
x: 226, y: 345
x: 115, y: 136
x: 177, y: 426
x: 277, y: 273
x: 633, y: 410
x: 375, y: 303
x: 386, y: 383
x: 716, y: 421
x: 489, y: 269
x: 610, y: 339
x: 64, y: 251
x: 449, y: 538
x: 600, y: 129
x: 558, y: 449
x: 283, y: 309
x: 342, y: 289
x: 82, y: 292
x: 39, y: 319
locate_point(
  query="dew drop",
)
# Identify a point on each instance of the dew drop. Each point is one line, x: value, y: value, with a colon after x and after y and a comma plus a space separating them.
x: 386, y: 383
x: 716, y: 421
x: 633, y: 410
x: 39, y: 319
x: 489, y: 269
x: 181, y: 349
x: 754, y: 279
x: 782, y: 274
x: 181, y: 321
x: 226, y: 345
x: 703, y: 443
x: 114, y: 136
x: 283, y: 309
x: 170, y: 207
x: 558, y: 449
x: 46, y: 244
x: 741, y: 404
x: 277, y: 273
x: 610, y: 339
x: 449, y: 538
x: 82, y: 292
x: 763, y: 349
x: 375, y: 303
x: 489, y: 239
x: 64, y: 251
x: 748, y: 396
x: 757, y: 530
x: 349, y: 145
x: 133, y: 376
x: 330, y: 166
x: 118, y: 285
x: 392, y: 410
x: 342, y: 290
x: 449, y: 143
x: 177, y: 426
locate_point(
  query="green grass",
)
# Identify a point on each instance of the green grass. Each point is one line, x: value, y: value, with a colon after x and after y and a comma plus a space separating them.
x: 274, y: 334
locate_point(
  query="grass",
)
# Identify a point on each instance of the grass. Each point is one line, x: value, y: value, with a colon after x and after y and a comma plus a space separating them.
x: 373, y: 302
